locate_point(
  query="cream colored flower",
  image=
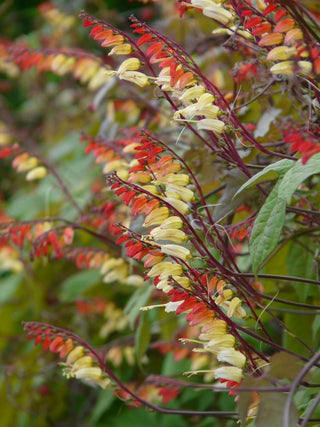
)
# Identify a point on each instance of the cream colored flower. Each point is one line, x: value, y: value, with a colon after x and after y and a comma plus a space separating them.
x: 172, y: 222
x: 166, y: 268
x: 122, y: 49
x: 215, y: 125
x: 176, y: 251
x: 74, y: 355
x: 228, y: 373
x: 232, y: 356
x: 157, y: 216
x: 220, y: 343
x: 175, y: 235
x: 37, y: 173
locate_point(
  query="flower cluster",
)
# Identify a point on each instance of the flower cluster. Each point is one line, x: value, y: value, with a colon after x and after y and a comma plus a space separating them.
x: 79, y: 363
x: 88, y: 69
x: 157, y: 188
x: 272, y: 27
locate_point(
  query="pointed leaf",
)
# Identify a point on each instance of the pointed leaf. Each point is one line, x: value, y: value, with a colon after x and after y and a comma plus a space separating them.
x: 138, y: 299
x: 300, y: 263
x: 75, y: 285
x: 269, y: 173
x: 142, y: 337
x: 267, y: 229
x: 296, y: 175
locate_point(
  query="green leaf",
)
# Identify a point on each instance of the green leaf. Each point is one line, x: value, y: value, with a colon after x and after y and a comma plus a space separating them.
x: 300, y: 263
x: 142, y: 336
x: 75, y: 285
x: 267, y: 229
x: 171, y: 367
x: 104, y: 401
x: 296, y: 175
x: 270, y: 412
x: 269, y: 173
x: 316, y: 329
x: 138, y: 299
x: 299, y: 326
x: 8, y: 287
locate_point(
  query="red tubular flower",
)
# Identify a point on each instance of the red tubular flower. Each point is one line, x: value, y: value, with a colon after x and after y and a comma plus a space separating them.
x: 186, y: 305
x: 284, y: 26
x: 280, y: 13
x: 253, y: 22
x: 146, y: 38
x: 168, y: 393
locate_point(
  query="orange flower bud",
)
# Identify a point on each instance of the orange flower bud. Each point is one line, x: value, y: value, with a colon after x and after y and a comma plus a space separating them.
x: 284, y: 26
x: 271, y: 39
x: 293, y: 35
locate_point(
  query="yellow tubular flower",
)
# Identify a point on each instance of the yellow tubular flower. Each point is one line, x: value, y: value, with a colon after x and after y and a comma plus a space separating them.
x: 135, y: 77
x: 232, y: 356
x: 110, y: 264
x: 36, y: 173
x: 173, y: 178
x: 83, y: 362
x: 293, y: 36
x: 176, y: 250
x: 216, y: 126
x: 228, y: 373
x: 113, y: 165
x: 220, y: 343
x: 281, y: 53
x: 216, y: 328
x: 119, y: 274
x: 305, y: 67
x: 181, y: 207
x: 134, y: 280
x: 176, y: 236
x: 131, y: 64
x: 29, y: 163
x: 172, y: 222
x: 74, y: 355
x: 157, y: 216
x: 167, y: 268
x: 91, y: 373
x: 193, y: 92
x: 164, y: 286
x: 123, y: 49
x: 151, y: 189
x: 235, y: 309
x: 99, y: 79
x: 225, y: 296
x: 103, y: 383
x: 203, y: 107
x: 218, y: 14
x: 285, y: 67
x: 184, y: 194
x: 183, y: 281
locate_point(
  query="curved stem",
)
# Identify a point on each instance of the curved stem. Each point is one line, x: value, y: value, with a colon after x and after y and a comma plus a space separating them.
x: 295, y: 385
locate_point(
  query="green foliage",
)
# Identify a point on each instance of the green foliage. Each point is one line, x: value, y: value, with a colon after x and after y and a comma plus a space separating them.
x: 267, y: 229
